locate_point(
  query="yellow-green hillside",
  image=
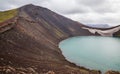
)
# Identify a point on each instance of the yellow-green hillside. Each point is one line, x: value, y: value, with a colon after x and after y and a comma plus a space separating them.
x: 7, y: 15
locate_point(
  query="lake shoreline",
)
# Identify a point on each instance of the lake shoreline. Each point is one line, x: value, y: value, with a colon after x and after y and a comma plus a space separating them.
x: 78, y: 64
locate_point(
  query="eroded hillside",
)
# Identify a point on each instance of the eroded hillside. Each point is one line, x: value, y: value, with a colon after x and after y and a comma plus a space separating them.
x: 31, y: 42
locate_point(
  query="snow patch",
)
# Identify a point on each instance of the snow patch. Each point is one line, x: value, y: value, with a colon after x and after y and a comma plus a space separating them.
x: 103, y: 32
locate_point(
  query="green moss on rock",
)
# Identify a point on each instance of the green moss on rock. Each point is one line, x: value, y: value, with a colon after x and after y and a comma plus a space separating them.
x: 7, y: 15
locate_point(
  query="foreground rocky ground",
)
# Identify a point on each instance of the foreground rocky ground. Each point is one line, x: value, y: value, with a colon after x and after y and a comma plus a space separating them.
x: 31, y: 70
x: 112, y: 72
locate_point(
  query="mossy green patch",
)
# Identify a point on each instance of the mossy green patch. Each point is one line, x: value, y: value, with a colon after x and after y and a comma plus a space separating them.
x: 7, y: 15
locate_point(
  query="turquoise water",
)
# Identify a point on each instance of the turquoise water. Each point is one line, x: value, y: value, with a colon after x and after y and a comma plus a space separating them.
x: 101, y: 53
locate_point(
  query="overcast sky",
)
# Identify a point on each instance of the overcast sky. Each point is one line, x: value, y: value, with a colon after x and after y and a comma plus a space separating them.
x: 84, y: 11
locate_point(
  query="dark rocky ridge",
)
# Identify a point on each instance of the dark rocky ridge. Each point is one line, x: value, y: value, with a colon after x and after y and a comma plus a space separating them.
x: 98, y: 25
x: 33, y: 41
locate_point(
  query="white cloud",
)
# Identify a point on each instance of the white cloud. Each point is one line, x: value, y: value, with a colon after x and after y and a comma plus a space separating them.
x: 84, y: 11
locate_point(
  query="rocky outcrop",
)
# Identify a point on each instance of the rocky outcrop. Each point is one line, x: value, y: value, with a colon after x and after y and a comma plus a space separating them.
x: 7, y: 25
x: 117, y: 34
x: 112, y: 72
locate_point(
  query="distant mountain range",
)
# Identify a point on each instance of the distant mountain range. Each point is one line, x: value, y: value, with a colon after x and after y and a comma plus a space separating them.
x: 29, y: 41
x: 98, y: 25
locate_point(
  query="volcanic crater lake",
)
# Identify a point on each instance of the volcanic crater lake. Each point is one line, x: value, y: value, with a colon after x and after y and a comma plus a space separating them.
x: 94, y: 52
